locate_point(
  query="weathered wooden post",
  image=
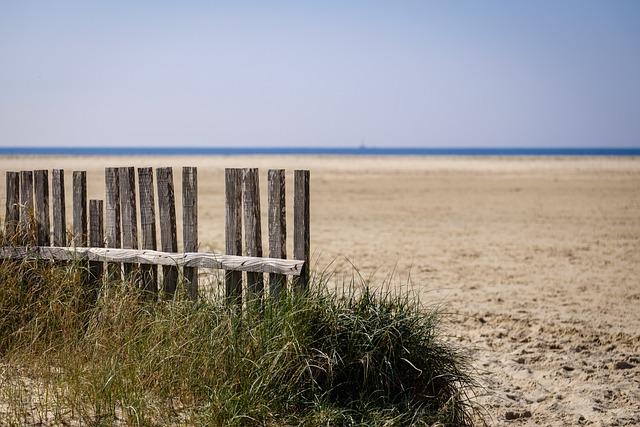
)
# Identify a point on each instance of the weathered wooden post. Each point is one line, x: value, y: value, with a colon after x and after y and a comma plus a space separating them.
x: 43, y: 230
x: 148, y: 228
x: 79, y: 208
x: 112, y: 208
x: 233, y: 231
x: 26, y: 207
x: 301, y: 222
x: 127, y: 181
x: 168, y: 233
x: 59, y: 208
x: 252, y: 229
x: 190, y: 226
x: 12, y: 216
x: 96, y: 240
x: 277, y: 228
x: 80, y: 213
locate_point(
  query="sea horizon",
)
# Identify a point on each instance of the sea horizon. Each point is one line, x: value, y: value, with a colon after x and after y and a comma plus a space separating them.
x: 349, y: 151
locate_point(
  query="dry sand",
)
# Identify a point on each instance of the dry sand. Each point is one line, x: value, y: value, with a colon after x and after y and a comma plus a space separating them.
x: 536, y: 259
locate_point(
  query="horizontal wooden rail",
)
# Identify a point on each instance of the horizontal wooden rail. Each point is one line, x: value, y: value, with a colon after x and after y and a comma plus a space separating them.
x: 141, y: 256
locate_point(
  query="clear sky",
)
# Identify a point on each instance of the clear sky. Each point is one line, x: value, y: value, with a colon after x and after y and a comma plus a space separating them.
x: 558, y: 73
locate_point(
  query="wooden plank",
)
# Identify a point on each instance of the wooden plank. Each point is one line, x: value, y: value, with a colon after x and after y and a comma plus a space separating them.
x: 190, y: 226
x: 96, y: 240
x: 41, y: 189
x: 80, y: 213
x: 59, y: 208
x: 96, y: 227
x: 26, y: 207
x: 80, y: 208
x: 301, y: 222
x: 277, y: 227
x: 233, y: 231
x: 168, y: 233
x: 252, y: 230
x: 12, y: 215
x: 144, y: 256
x: 112, y: 219
x: 127, y: 182
x: 112, y: 207
x: 149, y: 273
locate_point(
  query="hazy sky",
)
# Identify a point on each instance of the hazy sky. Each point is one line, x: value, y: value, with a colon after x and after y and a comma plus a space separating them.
x: 392, y: 73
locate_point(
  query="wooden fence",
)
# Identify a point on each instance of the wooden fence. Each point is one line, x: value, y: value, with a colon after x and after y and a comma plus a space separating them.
x: 107, y: 231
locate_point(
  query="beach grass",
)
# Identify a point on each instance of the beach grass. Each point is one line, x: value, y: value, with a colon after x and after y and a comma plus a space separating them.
x: 357, y: 356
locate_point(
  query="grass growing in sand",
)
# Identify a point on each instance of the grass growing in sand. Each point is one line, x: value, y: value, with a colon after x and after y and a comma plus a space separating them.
x: 325, y: 358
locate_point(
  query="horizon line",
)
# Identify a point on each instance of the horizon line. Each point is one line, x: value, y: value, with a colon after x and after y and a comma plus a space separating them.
x: 293, y: 150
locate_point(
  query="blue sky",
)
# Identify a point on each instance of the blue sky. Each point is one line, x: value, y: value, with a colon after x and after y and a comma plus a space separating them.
x: 396, y: 73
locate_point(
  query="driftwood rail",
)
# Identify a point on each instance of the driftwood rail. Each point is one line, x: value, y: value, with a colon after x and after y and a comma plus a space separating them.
x: 142, y: 256
x: 122, y: 231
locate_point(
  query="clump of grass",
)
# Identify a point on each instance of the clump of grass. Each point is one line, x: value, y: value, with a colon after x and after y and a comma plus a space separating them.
x: 361, y: 357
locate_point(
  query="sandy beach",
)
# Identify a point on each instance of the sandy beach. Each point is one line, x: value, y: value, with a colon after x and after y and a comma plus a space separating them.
x: 535, y: 260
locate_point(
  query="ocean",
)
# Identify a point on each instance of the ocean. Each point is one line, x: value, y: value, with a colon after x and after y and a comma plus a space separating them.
x: 357, y: 151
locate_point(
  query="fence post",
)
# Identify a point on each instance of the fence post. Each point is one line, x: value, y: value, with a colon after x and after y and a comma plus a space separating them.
x: 148, y: 229
x: 301, y: 222
x: 127, y: 181
x: 41, y: 184
x: 112, y: 207
x: 233, y: 231
x: 12, y: 217
x: 26, y: 207
x: 80, y: 208
x: 190, y: 226
x: 80, y: 213
x: 277, y: 227
x: 252, y: 229
x: 96, y: 240
x: 59, y: 209
x: 168, y: 234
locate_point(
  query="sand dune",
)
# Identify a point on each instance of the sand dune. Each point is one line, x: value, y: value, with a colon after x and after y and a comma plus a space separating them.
x: 536, y: 259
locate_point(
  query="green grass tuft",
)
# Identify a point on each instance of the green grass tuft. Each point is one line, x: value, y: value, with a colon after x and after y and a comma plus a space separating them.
x: 361, y: 357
